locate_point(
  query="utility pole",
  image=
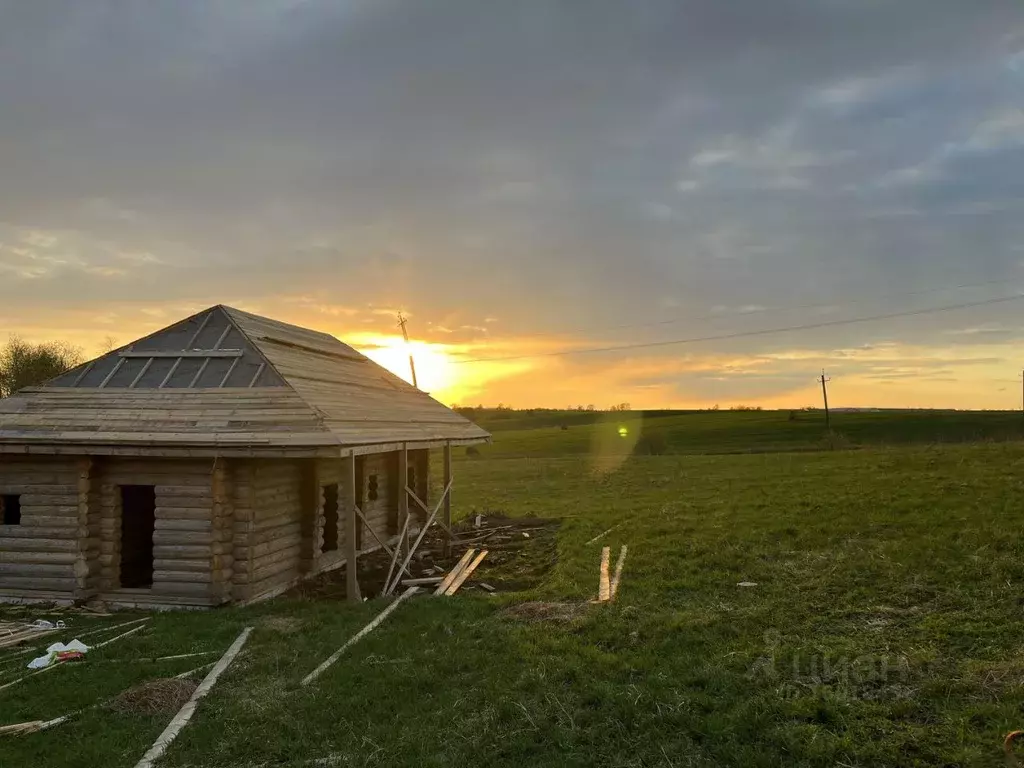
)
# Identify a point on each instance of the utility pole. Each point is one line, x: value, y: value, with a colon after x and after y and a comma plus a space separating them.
x: 405, y: 334
x: 824, y: 394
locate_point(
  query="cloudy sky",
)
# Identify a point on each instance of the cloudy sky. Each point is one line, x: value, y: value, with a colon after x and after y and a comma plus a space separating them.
x: 527, y: 178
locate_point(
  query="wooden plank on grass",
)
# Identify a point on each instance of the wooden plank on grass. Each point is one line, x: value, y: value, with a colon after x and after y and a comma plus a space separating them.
x: 454, y: 572
x: 602, y: 535
x: 604, y: 586
x: 618, y: 572
x: 181, y: 719
x: 461, y: 578
x: 357, y: 637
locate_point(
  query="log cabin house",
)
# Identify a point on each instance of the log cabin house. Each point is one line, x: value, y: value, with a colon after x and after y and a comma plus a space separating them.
x: 221, y: 459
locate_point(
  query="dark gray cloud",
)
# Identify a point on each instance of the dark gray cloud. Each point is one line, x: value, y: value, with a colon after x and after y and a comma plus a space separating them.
x: 554, y: 164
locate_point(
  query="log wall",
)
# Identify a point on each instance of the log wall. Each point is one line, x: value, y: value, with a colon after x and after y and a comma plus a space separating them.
x: 269, y: 531
x: 224, y: 529
x: 192, y: 558
x: 45, y: 556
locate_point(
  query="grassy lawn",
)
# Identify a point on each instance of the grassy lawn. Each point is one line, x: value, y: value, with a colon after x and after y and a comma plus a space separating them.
x: 884, y: 630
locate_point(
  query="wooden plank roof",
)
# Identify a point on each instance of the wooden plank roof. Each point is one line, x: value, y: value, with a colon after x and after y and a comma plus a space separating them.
x: 228, y: 377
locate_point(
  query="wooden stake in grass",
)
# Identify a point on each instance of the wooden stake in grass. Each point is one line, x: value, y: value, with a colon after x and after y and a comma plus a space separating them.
x: 604, y: 587
x: 181, y: 719
x: 357, y: 637
x: 618, y: 572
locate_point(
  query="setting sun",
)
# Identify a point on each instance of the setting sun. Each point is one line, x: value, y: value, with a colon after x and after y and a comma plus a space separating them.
x: 435, y: 372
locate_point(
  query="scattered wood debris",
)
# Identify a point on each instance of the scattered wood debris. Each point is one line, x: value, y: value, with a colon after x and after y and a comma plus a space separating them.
x: 514, y: 562
x: 16, y: 633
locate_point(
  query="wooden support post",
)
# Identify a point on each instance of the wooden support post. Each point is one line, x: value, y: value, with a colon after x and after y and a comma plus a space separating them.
x: 403, y: 499
x: 85, y: 556
x: 351, y: 533
x: 446, y: 513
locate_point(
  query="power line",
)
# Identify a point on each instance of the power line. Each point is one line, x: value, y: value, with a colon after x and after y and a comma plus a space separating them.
x: 768, y: 310
x: 747, y: 334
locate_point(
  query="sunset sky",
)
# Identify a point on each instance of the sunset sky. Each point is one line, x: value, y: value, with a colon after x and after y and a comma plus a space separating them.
x: 526, y: 179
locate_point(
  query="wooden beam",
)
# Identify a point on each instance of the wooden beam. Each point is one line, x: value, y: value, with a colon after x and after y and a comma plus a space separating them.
x: 223, y: 335
x: 351, y: 531
x: 426, y: 510
x: 454, y: 572
x: 465, y: 574
x: 604, y: 586
x: 618, y: 573
x: 110, y: 375
x: 231, y: 370
x: 170, y: 373
x: 181, y: 719
x: 128, y: 354
x: 397, y: 553
x: 79, y: 377
x: 256, y: 376
x: 373, y: 533
x: 446, y: 515
x: 423, y: 532
x: 202, y: 327
x: 141, y: 373
x: 403, y: 499
x: 358, y: 636
x: 360, y: 450
x: 199, y: 373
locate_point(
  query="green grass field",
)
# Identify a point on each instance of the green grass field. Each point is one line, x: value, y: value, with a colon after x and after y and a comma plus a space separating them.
x: 521, y: 434
x: 885, y: 627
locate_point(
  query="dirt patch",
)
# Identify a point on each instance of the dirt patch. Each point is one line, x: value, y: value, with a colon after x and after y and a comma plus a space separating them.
x: 286, y: 625
x: 165, y: 695
x: 521, y: 551
x: 555, y: 613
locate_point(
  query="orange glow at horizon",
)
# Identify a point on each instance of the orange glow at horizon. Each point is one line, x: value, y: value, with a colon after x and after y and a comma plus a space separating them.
x: 438, y: 371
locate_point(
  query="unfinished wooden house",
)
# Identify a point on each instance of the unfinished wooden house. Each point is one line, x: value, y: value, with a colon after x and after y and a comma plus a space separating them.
x: 221, y: 459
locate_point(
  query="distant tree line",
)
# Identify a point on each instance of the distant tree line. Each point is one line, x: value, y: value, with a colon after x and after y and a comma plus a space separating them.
x: 27, y: 365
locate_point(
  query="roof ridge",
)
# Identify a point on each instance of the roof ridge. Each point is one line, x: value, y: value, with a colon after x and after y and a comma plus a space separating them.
x: 228, y: 310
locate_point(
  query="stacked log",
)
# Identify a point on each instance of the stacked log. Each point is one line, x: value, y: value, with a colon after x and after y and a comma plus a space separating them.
x: 40, y: 557
x: 273, y: 547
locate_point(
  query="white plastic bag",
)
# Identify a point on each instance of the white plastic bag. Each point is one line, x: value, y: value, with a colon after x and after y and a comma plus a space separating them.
x: 51, y: 653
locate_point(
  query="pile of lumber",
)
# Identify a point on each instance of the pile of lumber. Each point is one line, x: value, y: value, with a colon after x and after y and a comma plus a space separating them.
x: 448, y: 584
x: 16, y: 633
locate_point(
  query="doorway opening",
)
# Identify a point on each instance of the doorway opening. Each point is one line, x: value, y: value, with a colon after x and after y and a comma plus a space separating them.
x: 138, y: 521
